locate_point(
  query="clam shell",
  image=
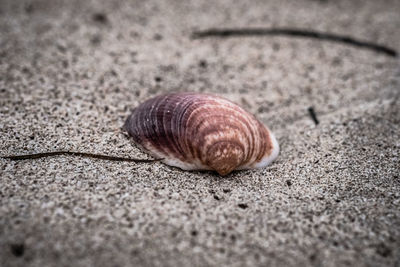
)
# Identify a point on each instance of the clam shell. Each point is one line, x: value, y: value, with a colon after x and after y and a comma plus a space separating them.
x: 195, y: 131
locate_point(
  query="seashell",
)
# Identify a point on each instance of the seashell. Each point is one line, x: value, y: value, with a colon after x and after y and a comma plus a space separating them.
x: 195, y: 131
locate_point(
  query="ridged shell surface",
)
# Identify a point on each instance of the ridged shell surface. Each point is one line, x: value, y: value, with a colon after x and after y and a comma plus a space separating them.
x: 195, y: 131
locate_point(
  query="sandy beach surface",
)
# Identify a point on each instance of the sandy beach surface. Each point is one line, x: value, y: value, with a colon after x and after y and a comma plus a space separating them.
x: 72, y: 71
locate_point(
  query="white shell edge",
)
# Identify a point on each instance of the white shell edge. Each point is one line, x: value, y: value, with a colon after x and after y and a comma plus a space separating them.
x: 266, y: 160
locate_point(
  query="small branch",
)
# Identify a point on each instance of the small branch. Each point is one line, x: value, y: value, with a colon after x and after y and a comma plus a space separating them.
x: 79, y: 154
x: 225, y: 33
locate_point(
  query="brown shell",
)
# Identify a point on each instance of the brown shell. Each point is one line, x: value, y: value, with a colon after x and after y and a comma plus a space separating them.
x: 195, y: 131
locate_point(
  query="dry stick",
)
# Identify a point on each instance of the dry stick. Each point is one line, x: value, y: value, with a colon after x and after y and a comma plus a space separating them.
x: 297, y: 33
x: 81, y: 154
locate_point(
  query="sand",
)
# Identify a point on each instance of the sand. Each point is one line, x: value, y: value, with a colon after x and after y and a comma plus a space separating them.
x: 71, y: 71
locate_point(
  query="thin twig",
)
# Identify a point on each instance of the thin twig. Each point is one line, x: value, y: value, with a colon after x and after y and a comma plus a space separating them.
x: 313, y: 116
x: 79, y: 154
x: 296, y: 33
